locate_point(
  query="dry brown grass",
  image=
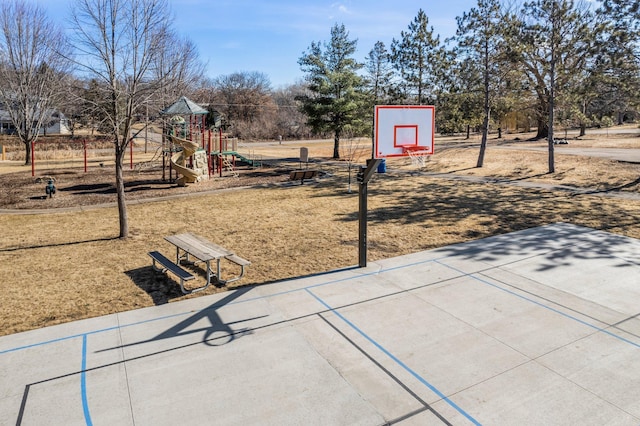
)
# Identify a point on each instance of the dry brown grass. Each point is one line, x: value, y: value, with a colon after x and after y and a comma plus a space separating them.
x: 532, y: 166
x: 59, y: 267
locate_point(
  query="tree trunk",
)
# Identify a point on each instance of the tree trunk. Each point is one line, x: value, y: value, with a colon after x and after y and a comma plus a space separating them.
x: 487, y: 110
x: 542, y: 113
x: 468, y: 131
x: 27, y: 153
x: 543, y: 129
x: 483, y: 144
x: 552, y: 166
x: 583, y: 129
x: 122, y: 206
x: 336, y: 145
x: 552, y: 104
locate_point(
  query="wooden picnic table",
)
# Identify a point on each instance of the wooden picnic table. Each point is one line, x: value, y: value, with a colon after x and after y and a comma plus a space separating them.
x: 188, y: 244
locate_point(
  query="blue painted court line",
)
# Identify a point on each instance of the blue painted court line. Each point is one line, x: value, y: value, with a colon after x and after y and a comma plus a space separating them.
x: 542, y: 305
x: 396, y: 359
x: 282, y: 293
x: 83, y: 383
x: 101, y: 330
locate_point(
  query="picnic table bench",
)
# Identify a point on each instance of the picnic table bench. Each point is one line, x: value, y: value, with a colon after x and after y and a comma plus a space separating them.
x: 189, y: 245
x: 168, y: 265
x: 301, y: 175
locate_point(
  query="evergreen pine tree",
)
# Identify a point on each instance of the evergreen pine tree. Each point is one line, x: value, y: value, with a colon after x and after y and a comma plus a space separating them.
x: 335, y: 97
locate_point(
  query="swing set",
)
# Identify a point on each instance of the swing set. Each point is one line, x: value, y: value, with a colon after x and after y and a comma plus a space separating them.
x: 84, y: 147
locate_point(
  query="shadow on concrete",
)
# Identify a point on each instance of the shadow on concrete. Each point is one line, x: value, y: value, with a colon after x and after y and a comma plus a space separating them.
x: 216, y: 333
x: 585, y: 247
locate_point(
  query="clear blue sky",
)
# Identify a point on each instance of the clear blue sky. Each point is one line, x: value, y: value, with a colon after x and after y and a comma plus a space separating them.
x: 269, y: 36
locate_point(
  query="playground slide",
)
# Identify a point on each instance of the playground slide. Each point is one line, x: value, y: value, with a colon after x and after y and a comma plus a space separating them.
x: 179, y: 159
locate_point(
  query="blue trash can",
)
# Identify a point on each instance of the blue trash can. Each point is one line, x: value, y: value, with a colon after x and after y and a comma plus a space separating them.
x: 382, y: 167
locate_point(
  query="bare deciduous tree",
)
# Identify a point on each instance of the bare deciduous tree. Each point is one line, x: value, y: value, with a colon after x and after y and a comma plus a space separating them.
x: 291, y: 123
x: 178, y: 69
x: 120, y: 44
x: 353, y: 150
x: 31, y: 68
x: 245, y: 99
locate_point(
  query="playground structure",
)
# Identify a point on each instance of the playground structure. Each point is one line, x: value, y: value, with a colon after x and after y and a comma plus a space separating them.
x: 197, y: 170
x: 194, y: 152
x: 187, y: 147
x: 224, y: 153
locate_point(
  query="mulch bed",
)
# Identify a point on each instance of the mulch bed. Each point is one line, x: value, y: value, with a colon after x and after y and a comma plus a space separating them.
x: 97, y: 186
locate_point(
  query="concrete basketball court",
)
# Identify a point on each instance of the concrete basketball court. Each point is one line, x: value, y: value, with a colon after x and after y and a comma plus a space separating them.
x: 535, y: 327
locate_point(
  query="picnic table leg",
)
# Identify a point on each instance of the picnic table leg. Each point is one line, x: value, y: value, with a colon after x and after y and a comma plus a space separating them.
x: 177, y: 255
x: 209, y: 272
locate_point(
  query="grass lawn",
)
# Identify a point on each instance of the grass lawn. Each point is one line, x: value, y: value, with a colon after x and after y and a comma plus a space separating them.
x: 58, y: 267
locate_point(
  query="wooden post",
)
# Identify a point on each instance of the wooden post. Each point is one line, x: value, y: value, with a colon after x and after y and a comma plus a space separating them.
x: 33, y: 159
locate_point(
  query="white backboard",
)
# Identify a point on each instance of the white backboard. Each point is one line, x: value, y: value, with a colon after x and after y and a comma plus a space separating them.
x: 399, y: 129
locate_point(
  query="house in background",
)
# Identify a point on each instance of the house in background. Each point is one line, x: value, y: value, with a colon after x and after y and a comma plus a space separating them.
x: 58, y: 124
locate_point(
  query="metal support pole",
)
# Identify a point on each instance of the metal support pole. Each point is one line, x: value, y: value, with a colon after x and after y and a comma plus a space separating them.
x: 364, y: 175
x: 362, y: 225
x: 209, y: 159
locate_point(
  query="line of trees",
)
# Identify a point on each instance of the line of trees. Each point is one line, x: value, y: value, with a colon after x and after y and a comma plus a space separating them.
x: 539, y: 63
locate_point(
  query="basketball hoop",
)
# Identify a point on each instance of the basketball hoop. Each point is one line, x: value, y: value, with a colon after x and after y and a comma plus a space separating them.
x: 418, y: 154
x: 404, y: 131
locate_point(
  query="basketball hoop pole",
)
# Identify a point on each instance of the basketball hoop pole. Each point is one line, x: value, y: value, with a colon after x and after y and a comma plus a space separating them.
x: 364, y: 175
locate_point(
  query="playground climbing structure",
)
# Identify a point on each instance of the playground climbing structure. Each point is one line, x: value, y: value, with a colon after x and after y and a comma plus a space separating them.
x: 190, y: 162
x: 194, y: 152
